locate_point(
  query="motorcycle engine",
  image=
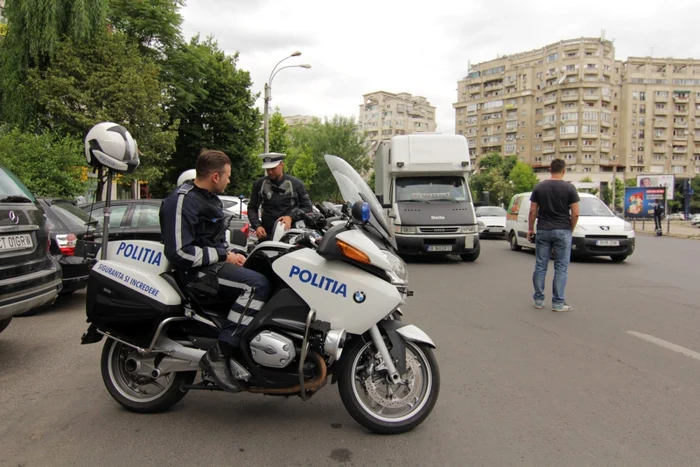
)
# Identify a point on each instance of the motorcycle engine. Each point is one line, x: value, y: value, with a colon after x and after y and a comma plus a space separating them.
x: 272, y: 350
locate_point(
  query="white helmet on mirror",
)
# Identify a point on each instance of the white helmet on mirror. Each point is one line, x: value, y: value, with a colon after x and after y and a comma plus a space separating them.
x: 110, y: 145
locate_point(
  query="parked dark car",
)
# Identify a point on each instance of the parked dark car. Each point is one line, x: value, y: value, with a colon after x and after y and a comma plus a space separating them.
x: 137, y: 219
x: 29, y: 276
x: 67, y: 224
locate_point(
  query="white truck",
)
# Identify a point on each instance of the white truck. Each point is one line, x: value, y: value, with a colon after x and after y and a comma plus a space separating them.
x: 422, y: 182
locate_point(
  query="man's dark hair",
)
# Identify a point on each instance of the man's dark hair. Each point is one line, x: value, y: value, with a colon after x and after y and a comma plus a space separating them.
x: 557, y: 166
x: 211, y: 161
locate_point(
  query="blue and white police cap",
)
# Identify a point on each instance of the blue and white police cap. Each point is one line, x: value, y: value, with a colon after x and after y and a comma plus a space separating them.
x: 271, y: 160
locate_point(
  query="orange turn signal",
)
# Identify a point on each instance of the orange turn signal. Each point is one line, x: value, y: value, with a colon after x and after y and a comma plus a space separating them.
x: 353, y: 253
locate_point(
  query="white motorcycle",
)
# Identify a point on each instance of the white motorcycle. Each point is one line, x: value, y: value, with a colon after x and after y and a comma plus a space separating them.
x: 333, y: 311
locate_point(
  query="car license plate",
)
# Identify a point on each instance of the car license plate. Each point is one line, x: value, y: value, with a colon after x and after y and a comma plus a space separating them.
x: 607, y: 243
x: 440, y: 248
x: 496, y: 230
x: 15, y: 242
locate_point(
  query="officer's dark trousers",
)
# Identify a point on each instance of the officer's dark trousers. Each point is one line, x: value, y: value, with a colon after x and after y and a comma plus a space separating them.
x: 237, y: 282
x: 657, y: 222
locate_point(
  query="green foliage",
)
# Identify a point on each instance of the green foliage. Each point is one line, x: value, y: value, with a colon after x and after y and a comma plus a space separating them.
x: 47, y: 164
x: 153, y: 24
x: 35, y: 30
x: 631, y: 182
x: 619, y: 193
x: 339, y: 137
x: 106, y: 81
x: 523, y: 178
x: 501, y: 178
x: 215, y: 108
x: 279, y: 139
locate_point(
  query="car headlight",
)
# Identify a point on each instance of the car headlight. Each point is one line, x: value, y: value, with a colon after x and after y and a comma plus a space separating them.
x: 628, y: 227
x: 481, y: 224
x: 398, y: 273
x: 469, y: 228
x: 400, y: 229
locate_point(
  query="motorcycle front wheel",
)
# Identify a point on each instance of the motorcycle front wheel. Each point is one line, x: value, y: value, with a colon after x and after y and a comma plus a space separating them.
x: 138, y: 393
x: 384, y: 407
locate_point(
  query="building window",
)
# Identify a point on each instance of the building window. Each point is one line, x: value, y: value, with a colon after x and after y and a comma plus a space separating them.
x: 591, y: 128
x: 590, y: 115
x: 570, y: 129
x: 570, y: 116
x: 552, y: 57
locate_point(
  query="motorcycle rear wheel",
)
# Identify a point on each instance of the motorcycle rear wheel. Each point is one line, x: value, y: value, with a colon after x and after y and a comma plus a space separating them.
x: 136, y: 393
x: 372, y: 401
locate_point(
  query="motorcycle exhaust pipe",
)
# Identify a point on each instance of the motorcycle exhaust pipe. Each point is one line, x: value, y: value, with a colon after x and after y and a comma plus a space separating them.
x: 312, y: 385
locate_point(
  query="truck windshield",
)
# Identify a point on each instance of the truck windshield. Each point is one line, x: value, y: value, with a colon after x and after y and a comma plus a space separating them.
x: 430, y: 189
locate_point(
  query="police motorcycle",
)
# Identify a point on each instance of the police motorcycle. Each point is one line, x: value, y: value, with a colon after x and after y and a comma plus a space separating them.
x: 331, y: 315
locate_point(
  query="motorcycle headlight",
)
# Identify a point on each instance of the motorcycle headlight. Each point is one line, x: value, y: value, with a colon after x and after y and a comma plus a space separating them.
x: 628, y: 227
x: 398, y: 273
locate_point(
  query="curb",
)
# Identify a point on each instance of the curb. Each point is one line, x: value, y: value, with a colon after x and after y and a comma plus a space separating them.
x: 674, y: 235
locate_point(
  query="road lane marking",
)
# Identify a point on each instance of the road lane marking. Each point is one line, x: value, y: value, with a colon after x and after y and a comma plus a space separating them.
x: 666, y: 344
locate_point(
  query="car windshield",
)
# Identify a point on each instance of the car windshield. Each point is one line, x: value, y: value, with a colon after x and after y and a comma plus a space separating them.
x: 594, y: 207
x: 12, y: 190
x: 492, y: 211
x: 354, y: 188
x: 430, y: 189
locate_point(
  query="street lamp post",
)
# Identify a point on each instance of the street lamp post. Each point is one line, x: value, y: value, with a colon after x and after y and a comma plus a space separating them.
x: 268, y: 96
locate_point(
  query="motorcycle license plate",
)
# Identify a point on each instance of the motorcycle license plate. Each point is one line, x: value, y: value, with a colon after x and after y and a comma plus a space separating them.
x: 607, y: 243
x: 440, y: 248
x: 15, y: 242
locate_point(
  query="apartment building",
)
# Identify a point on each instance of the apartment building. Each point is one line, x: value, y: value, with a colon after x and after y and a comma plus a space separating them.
x: 300, y: 120
x: 2, y: 10
x: 660, y: 125
x: 562, y: 100
x: 384, y: 115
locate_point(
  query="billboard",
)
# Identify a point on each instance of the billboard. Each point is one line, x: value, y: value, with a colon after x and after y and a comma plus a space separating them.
x: 639, y: 201
x: 665, y: 181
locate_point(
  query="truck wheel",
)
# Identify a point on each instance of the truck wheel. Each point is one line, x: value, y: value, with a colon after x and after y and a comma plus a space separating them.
x: 473, y: 255
x: 514, y: 242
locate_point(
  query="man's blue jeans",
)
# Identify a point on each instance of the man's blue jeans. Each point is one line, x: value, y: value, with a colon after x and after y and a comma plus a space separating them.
x: 557, y: 244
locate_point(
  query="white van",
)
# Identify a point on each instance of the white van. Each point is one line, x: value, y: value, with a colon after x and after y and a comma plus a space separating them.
x: 598, y: 231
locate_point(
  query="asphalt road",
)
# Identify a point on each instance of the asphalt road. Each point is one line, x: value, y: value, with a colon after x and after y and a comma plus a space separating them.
x: 615, y: 382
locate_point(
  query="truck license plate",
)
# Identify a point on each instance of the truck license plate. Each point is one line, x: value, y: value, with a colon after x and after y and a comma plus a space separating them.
x: 607, y: 243
x: 440, y: 248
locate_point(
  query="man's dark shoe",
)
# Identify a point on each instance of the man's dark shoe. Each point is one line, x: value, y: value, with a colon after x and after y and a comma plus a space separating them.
x: 219, y: 368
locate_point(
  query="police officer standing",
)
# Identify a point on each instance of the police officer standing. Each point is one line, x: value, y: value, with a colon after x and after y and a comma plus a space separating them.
x: 193, y: 225
x: 279, y: 196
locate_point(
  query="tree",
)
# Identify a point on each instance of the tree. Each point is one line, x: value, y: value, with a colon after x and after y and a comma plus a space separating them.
x: 339, y: 137
x: 523, y: 177
x: 153, y: 24
x: 49, y: 165
x: 106, y: 80
x: 695, y: 200
x: 35, y: 30
x: 279, y: 139
x: 619, y: 193
x: 214, y: 106
x: 587, y: 179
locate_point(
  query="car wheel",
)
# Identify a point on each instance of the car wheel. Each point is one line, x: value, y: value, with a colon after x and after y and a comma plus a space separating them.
x: 618, y: 258
x: 514, y: 242
x: 4, y: 323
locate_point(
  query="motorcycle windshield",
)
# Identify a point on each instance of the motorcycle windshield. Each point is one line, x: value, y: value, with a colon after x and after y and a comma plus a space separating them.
x: 354, y: 188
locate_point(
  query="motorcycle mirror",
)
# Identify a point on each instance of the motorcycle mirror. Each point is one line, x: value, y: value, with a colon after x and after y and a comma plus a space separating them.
x: 361, y: 211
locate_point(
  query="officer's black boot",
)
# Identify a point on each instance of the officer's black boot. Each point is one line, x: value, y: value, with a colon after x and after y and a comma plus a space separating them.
x: 216, y: 363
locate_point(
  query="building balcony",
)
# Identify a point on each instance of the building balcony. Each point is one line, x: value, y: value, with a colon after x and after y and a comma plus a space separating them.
x: 589, y: 161
x: 606, y: 98
x: 548, y: 138
x: 660, y: 124
x: 680, y: 112
x: 510, y: 106
x: 605, y: 124
x: 590, y: 135
x: 569, y: 136
x: 550, y: 100
x: 569, y: 97
x: 696, y: 150
x: 660, y: 99
x: 548, y: 150
x: 680, y: 137
x: 660, y: 137
x: 589, y: 148
x: 569, y: 148
x: 591, y: 97
x: 680, y: 124
x: 549, y: 125
x: 511, y: 129
x: 680, y: 150
x: 660, y: 111
x: 607, y: 72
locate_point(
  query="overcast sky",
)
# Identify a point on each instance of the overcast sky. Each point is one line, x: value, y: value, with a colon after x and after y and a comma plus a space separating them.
x: 418, y: 47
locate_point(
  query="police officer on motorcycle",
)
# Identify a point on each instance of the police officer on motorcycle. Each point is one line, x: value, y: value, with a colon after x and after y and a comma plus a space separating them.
x: 194, y: 228
x: 282, y: 198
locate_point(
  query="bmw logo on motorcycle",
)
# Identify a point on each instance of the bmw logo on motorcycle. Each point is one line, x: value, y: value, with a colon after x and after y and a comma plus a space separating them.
x: 359, y: 296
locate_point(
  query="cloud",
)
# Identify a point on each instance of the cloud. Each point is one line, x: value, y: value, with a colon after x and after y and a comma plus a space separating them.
x: 410, y: 46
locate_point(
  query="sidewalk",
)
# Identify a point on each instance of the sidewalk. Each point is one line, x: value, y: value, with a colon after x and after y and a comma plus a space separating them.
x: 680, y: 229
